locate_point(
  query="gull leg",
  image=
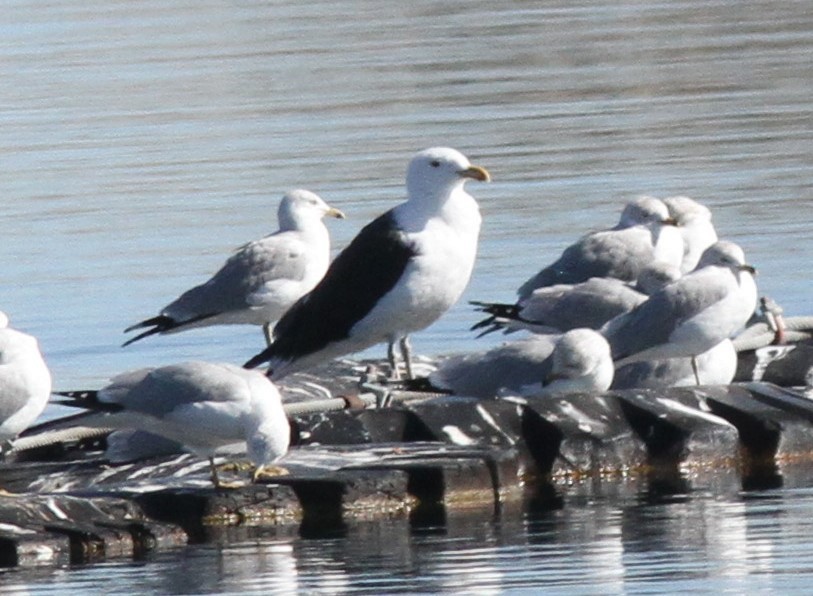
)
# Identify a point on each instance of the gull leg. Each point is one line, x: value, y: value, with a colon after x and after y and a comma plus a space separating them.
x: 393, y: 360
x: 216, y: 479
x: 776, y: 322
x: 406, y: 352
x: 213, y: 469
x: 694, y: 369
x: 5, y: 447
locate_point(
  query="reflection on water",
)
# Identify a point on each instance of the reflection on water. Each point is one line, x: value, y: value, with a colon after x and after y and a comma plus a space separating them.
x: 607, y: 542
x: 142, y: 142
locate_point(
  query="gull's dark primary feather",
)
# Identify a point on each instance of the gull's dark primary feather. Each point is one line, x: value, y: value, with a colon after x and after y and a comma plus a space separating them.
x: 363, y: 272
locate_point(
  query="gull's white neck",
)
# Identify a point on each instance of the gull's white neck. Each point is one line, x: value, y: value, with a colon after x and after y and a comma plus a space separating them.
x: 452, y: 205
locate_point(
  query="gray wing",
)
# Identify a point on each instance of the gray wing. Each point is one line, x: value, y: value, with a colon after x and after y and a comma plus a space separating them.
x: 614, y: 253
x: 128, y: 445
x: 280, y: 256
x: 653, y: 321
x: 159, y: 391
x: 590, y: 304
x: 509, y: 366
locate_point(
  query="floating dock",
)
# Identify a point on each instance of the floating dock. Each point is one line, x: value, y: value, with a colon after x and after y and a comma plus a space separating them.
x: 420, y: 458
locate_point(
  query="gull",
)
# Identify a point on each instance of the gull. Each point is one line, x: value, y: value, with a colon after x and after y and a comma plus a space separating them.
x: 398, y: 275
x: 209, y: 408
x: 694, y: 223
x: 262, y: 279
x: 645, y: 233
x: 559, y: 308
x: 25, y: 381
x: 690, y: 315
x: 581, y: 363
x: 507, y: 367
x: 578, y: 360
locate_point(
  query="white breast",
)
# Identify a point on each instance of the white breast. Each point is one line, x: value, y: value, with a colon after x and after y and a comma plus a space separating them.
x: 446, y: 246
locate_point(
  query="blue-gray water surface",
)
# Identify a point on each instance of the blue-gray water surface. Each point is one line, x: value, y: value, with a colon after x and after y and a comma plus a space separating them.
x: 142, y: 142
x: 616, y: 539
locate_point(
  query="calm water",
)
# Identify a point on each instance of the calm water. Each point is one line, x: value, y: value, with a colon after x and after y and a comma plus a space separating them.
x: 141, y: 142
x: 605, y: 540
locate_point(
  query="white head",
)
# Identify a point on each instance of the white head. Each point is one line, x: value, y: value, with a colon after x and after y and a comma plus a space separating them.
x: 684, y: 210
x: 725, y: 254
x: 581, y: 363
x: 264, y: 448
x: 645, y: 210
x: 438, y: 171
x: 696, y: 229
x: 3, y: 320
x: 299, y: 207
x: 268, y: 432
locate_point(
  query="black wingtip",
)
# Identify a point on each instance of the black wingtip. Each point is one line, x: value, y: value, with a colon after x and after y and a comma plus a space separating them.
x: 158, y: 324
x: 487, y: 322
x: 258, y: 359
x: 500, y: 314
x: 494, y: 328
x: 146, y: 333
x: 498, y: 309
x: 161, y: 324
x: 86, y: 399
x: 88, y: 394
x: 161, y: 321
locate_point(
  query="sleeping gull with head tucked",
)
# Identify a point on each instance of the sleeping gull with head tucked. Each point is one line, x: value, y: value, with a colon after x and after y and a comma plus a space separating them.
x: 645, y: 233
x: 690, y: 315
x: 25, y: 381
x: 209, y: 408
x: 581, y: 363
x: 398, y: 275
x: 578, y: 360
x: 262, y: 279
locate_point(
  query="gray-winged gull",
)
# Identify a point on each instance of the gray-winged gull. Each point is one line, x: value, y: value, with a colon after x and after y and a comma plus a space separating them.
x: 262, y: 279
x: 694, y: 224
x: 644, y: 233
x: 690, y: 315
x: 581, y: 363
x: 397, y: 276
x: 25, y: 382
x: 556, y: 309
x: 508, y: 367
x: 209, y: 408
x: 578, y: 360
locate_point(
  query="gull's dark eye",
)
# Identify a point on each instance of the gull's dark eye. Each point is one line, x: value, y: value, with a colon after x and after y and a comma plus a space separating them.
x: 434, y: 163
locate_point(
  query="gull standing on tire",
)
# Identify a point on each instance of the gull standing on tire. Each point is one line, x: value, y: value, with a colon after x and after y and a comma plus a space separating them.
x: 261, y: 280
x: 209, y: 408
x: 690, y: 315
